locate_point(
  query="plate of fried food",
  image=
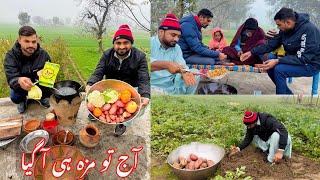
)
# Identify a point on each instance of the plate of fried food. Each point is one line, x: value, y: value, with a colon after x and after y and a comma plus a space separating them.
x: 216, y: 74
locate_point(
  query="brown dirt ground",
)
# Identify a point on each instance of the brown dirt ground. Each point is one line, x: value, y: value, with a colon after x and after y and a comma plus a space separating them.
x: 298, y: 167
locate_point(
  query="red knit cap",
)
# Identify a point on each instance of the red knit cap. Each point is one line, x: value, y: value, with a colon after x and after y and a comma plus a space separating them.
x: 170, y: 22
x: 124, y: 32
x: 250, y: 117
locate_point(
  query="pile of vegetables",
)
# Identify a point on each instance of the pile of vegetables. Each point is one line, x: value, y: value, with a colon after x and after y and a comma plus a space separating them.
x: 110, y: 106
x: 193, y: 162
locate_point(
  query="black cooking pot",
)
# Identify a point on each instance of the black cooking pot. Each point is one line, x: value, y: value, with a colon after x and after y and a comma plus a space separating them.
x: 58, y: 86
x: 216, y: 88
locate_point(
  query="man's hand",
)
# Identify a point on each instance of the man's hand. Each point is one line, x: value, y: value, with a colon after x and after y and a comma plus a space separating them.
x: 25, y: 83
x: 39, y: 73
x: 269, y: 64
x: 278, y: 155
x: 144, y: 101
x: 87, y: 88
x: 240, y: 53
x: 271, y: 33
x: 234, y: 150
x: 189, y: 79
x: 222, y: 56
x: 174, y: 68
x: 245, y: 56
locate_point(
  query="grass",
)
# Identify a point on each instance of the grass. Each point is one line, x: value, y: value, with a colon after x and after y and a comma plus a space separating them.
x: 180, y: 120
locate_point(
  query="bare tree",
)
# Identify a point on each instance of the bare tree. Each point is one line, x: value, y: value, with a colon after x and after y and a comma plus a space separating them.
x: 97, y: 13
x: 95, y: 16
x: 159, y: 8
x: 310, y: 6
x: 38, y: 20
x: 227, y: 12
x: 133, y: 16
x: 184, y: 6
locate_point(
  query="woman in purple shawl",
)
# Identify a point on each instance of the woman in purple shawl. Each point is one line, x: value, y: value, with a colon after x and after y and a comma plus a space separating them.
x: 248, y: 36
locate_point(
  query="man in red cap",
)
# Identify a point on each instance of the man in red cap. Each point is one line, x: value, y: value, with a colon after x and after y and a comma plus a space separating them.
x: 268, y: 134
x: 168, y: 67
x: 126, y: 63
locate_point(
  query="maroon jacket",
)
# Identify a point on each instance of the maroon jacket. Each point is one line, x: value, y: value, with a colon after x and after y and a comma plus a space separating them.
x: 257, y: 39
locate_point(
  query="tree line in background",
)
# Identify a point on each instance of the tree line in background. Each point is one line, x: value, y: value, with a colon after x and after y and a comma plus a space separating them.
x: 228, y: 14
x: 26, y: 19
x: 307, y: 6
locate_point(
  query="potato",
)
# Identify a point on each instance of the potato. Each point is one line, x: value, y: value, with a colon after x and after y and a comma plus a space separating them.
x: 191, y: 165
x: 126, y: 114
x: 197, y: 164
x: 108, y: 119
x: 120, y: 111
x: 106, y: 107
x: 121, y: 118
x: 180, y: 158
x: 193, y: 157
x: 113, y: 109
x: 203, y: 165
x: 112, y: 117
x: 210, y: 163
x: 183, y: 162
x: 176, y: 165
x: 90, y: 106
x: 119, y: 103
x: 102, y: 118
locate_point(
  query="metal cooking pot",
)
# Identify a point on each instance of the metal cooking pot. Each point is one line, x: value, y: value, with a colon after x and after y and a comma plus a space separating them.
x: 66, y: 83
x: 118, y: 86
x: 207, y: 151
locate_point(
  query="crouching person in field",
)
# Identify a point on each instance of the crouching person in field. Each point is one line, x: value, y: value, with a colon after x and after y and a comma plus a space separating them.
x: 22, y: 65
x: 268, y: 134
x: 126, y: 63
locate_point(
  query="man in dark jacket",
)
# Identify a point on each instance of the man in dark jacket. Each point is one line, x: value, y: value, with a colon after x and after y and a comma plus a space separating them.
x: 22, y: 65
x: 125, y: 63
x: 301, y: 41
x: 194, y: 51
x: 268, y: 134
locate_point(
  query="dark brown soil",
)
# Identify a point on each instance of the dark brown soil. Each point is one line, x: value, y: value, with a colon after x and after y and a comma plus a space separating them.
x: 298, y: 167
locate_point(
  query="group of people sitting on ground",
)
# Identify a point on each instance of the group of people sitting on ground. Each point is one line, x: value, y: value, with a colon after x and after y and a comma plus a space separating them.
x: 294, y: 51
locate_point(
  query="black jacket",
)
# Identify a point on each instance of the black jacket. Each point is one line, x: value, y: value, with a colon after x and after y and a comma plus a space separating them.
x: 268, y: 125
x: 18, y: 65
x: 302, y: 44
x: 133, y: 70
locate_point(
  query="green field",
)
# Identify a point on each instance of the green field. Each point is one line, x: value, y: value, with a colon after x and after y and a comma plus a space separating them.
x: 82, y: 47
x: 180, y: 120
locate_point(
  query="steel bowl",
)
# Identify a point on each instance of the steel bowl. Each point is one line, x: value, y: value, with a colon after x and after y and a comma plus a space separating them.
x: 29, y: 137
x: 118, y: 86
x: 207, y: 151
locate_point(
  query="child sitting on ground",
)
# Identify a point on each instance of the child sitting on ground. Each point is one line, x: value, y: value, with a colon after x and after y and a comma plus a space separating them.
x: 218, y: 41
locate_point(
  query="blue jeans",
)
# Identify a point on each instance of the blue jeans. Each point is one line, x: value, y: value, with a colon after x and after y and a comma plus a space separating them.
x: 198, y: 59
x: 272, y: 145
x: 20, y: 95
x: 17, y: 96
x: 281, y: 72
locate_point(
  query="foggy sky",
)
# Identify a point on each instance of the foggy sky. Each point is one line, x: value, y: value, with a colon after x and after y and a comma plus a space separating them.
x: 10, y: 9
